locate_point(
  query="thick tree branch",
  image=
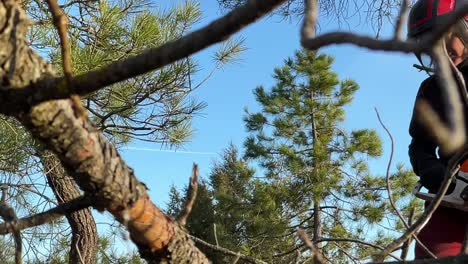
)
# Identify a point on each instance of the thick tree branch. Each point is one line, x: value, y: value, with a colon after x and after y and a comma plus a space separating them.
x: 215, y: 32
x: 450, y: 136
x: 88, y: 157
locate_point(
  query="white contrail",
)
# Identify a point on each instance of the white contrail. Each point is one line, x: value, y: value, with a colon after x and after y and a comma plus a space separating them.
x: 170, y: 151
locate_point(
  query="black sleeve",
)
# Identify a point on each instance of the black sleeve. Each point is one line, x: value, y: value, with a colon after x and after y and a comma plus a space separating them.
x: 422, y: 150
x: 426, y: 164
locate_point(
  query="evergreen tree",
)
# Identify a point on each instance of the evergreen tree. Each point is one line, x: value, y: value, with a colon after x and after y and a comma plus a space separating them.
x: 314, y: 176
x: 299, y: 139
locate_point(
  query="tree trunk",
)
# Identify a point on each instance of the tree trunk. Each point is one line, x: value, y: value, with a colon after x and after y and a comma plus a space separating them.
x: 317, y: 212
x: 85, y: 153
x: 84, y: 241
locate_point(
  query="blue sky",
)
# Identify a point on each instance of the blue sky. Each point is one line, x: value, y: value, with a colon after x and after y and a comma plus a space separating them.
x: 387, y: 81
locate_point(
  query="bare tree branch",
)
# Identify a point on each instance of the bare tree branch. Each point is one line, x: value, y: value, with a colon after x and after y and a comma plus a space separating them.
x: 60, y: 22
x: 151, y: 59
x: 310, y: 20
x: 316, y: 255
x: 401, y: 20
x: 453, y: 166
x: 424, y: 45
x: 389, y: 187
x: 228, y: 252
x: 191, y: 196
x: 47, y: 216
x: 9, y: 216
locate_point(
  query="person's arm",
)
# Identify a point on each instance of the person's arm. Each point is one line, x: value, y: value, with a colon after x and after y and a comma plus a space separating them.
x: 422, y: 150
x: 426, y: 164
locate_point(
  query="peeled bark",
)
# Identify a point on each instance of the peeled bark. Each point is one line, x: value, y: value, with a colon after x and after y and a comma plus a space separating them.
x: 86, y: 155
x: 84, y: 242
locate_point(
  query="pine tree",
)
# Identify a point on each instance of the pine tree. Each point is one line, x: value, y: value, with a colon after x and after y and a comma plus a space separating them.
x: 299, y: 140
x: 313, y: 175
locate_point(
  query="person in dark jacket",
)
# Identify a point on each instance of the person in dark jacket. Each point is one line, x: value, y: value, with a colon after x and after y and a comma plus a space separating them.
x: 443, y: 235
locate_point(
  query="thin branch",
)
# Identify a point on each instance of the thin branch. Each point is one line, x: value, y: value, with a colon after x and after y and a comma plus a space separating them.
x: 452, y: 170
x: 389, y: 187
x: 154, y: 58
x: 191, y: 196
x: 9, y: 216
x: 228, y: 252
x: 423, y: 68
x: 425, y: 45
x: 352, y: 240
x: 60, y: 22
x: 406, y: 246
x: 316, y: 255
x: 47, y: 216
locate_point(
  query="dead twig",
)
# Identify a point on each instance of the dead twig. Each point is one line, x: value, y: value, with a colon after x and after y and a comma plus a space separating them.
x: 228, y: 252
x: 389, y: 187
x: 316, y: 256
x: 453, y: 167
x: 191, y: 196
x: 60, y: 22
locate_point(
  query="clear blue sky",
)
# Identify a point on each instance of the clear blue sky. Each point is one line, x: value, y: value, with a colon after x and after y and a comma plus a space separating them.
x: 387, y: 81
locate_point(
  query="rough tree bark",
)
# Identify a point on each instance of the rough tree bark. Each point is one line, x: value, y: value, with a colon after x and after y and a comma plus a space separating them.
x: 84, y: 243
x: 87, y: 156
